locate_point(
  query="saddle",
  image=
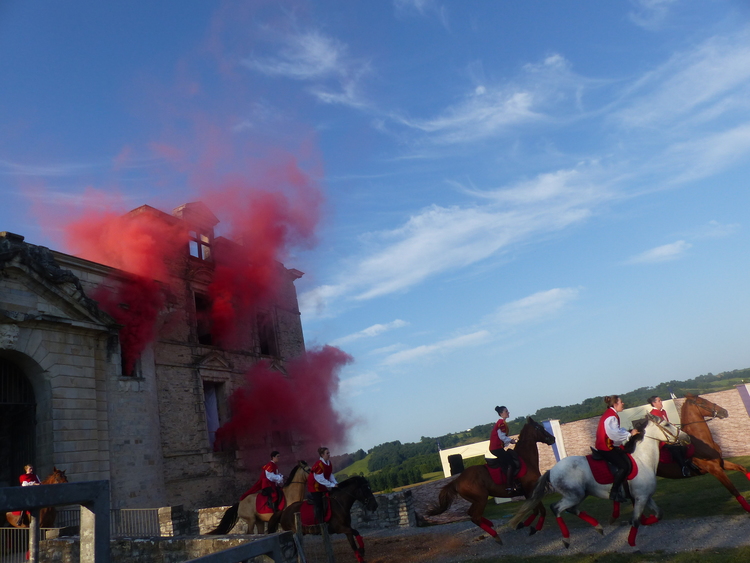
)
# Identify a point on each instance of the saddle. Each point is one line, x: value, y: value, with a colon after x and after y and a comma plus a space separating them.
x: 603, y: 471
x: 497, y: 472
x: 307, y: 511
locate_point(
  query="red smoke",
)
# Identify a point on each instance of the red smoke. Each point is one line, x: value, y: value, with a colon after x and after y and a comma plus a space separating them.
x: 300, y: 403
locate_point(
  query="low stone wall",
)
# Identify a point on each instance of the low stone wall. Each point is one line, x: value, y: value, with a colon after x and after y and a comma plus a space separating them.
x: 151, y: 550
x: 395, y: 510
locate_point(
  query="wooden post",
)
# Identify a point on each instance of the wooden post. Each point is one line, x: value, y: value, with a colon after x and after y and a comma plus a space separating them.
x: 34, y: 536
x: 327, y: 543
x: 298, y: 538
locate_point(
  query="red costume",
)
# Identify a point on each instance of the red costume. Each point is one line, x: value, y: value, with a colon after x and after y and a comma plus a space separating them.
x: 29, y: 479
x: 319, y: 468
x: 495, y: 441
x: 272, y: 468
x: 661, y: 413
x: 604, y: 442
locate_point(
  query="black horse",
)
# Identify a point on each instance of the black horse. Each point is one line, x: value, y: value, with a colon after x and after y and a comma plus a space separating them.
x: 342, y: 499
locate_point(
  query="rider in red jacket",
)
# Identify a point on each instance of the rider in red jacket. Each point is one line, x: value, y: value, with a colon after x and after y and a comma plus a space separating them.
x: 610, y: 438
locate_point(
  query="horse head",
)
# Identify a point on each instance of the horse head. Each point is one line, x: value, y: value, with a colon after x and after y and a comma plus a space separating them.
x: 299, y: 473
x: 661, y: 430
x: 540, y: 432
x: 362, y: 491
x: 58, y: 476
x: 707, y: 408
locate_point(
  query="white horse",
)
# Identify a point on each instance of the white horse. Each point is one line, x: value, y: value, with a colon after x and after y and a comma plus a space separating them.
x: 572, y: 478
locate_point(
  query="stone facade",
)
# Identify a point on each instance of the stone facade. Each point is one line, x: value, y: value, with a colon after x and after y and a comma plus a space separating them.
x: 147, y: 432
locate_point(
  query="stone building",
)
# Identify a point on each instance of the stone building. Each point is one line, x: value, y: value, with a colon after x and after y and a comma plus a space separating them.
x: 65, y: 400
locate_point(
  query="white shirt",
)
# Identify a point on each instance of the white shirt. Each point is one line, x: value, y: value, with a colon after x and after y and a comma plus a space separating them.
x: 504, y: 437
x: 614, y: 431
x: 277, y: 478
x: 322, y: 480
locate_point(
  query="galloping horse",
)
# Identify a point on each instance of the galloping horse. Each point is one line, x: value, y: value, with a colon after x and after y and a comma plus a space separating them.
x: 707, y: 456
x: 46, y: 515
x: 342, y: 499
x: 294, y: 491
x: 573, y: 479
x: 476, y: 485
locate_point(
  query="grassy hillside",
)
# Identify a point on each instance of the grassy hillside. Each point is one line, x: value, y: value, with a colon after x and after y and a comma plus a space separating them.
x: 356, y: 468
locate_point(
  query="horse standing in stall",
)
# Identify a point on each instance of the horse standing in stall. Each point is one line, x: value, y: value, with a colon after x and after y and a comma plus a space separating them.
x: 476, y: 485
x: 46, y: 515
x: 572, y: 477
x: 248, y: 507
x: 341, y: 500
x: 707, y: 455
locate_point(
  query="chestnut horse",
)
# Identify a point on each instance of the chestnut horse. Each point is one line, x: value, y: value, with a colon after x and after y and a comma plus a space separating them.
x: 341, y: 499
x: 294, y: 490
x: 46, y: 515
x: 476, y: 485
x: 707, y: 455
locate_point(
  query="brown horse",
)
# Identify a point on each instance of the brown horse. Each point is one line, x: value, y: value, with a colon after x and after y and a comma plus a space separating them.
x: 294, y: 491
x: 707, y: 455
x: 476, y: 485
x: 342, y: 498
x: 46, y: 515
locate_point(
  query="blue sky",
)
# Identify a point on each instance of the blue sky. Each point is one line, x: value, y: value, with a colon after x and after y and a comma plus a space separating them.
x: 527, y: 203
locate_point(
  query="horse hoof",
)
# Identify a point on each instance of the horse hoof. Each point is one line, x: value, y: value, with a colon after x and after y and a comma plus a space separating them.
x: 566, y: 543
x: 599, y: 529
x: 612, y: 520
x: 532, y: 531
x: 519, y: 526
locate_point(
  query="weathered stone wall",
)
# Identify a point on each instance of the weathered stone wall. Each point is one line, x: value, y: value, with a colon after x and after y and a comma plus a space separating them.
x: 395, y: 510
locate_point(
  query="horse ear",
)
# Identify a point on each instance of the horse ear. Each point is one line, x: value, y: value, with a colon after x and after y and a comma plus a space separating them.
x: 529, y: 420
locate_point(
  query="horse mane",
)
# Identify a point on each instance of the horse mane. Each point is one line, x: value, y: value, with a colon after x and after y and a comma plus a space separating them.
x: 357, y: 480
x: 640, y: 425
x: 294, y: 471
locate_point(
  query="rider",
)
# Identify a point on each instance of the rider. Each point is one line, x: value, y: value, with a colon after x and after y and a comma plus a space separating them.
x: 499, y: 439
x: 320, y: 481
x: 677, y: 451
x: 28, y: 478
x: 271, y: 481
x: 610, y: 437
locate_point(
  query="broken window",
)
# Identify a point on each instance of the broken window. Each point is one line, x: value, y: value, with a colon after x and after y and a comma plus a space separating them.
x: 200, y: 245
x: 203, y: 318
x: 267, y: 334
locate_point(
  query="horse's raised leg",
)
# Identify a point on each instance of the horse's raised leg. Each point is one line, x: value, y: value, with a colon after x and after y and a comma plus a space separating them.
x: 588, y: 519
x: 476, y: 510
x: 731, y: 466
x: 557, y: 509
x: 713, y: 467
x: 653, y: 518
x: 359, y: 550
x: 635, y: 521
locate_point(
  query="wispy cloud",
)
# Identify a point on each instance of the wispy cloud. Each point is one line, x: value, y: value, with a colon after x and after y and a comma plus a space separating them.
x: 464, y: 341
x: 62, y: 169
x: 662, y: 253
x: 370, y: 332
x: 714, y: 229
x: 315, y: 57
x: 353, y: 386
x: 534, y: 308
x: 650, y: 14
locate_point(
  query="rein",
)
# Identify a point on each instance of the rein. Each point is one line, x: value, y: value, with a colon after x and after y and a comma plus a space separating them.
x: 666, y: 433
x: 714, y: 413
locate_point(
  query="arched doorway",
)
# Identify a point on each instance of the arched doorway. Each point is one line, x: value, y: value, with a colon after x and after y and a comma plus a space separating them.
x: 17, y: 422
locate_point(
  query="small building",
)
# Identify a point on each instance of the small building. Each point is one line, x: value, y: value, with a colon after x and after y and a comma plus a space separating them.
x: 67, y: 400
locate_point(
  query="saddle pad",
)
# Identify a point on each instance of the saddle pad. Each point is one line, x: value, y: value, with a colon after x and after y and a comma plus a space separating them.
x: 252, y: 490
x: 498, y: 475
x: 602, y: 473
x: 261, y: 504
x: 665, y: 456
x: 307, y: 513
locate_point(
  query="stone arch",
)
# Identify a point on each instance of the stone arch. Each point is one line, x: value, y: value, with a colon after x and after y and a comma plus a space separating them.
x: 25, y: 429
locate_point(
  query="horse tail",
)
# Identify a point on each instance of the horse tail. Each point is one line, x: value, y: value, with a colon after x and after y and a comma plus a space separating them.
x: 447, y: 496
x: 543, y: 487
x: 227, y: 521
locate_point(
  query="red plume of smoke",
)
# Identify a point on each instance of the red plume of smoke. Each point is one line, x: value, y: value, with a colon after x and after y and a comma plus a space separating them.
x: 300, y: 403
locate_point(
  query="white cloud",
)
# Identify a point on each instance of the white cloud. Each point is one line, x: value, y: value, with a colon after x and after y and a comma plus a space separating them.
x: 535, y: 307
x: 714, y: 229
x: 353, y: 386
x: 370, y: 332
x: 662, y: 253
x: 649, y: 14
x: 467, y: 340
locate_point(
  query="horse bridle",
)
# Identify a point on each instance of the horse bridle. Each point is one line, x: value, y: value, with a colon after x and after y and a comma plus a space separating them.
x: 667, y: 433
x: 714, y: 412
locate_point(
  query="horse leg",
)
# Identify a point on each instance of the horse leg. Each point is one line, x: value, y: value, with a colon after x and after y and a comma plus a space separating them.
x: 638, y: 505
x: 539, y: 523
x: 557, y: 509
x: 587, y: 518
x: 731, y: 466
x: 713, y: 467
x: 653, y: 518
x: 359, y: 552
x: 476, y: 511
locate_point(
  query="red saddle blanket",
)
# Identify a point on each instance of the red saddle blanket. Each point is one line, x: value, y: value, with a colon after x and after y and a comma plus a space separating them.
x: 261, y: 501
x: 603, y: 475
x: 665, y: 456
x: 307, y: 513
x: 498, y: 475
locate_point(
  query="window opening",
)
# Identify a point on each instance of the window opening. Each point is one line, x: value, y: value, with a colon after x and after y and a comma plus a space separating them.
x: 267, y: 334
x: 203, y: 318
x: 200, y: 245
x: 211, y: 394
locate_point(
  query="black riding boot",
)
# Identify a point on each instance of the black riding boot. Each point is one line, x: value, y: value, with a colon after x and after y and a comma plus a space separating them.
x: 617, y: 492
x: 510, y: 482
x: 679, y: 454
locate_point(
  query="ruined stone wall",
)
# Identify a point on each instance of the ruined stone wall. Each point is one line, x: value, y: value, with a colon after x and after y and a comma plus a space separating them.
x: 395, y: 510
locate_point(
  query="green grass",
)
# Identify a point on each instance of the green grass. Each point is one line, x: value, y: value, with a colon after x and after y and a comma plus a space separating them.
x: 688, y: 498
x: 356, y: 468
x: 729, y: 555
